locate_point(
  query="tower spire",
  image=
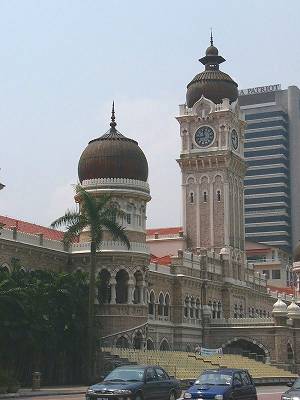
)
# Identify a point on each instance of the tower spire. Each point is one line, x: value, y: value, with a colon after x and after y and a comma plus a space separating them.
x: 113, y: 123
x: 211, y: 37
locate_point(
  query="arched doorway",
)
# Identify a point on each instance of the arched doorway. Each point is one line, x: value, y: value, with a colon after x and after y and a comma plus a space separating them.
x: 164, y: 346
x: 290, y: 353
x: 122, y: 342
x: 122, y: 278
x: 246, y: 347
x: 138, y: 288
x: 138, y: 340
x: 150, y: 344
x: 151, y: 305
x: 103, y: 284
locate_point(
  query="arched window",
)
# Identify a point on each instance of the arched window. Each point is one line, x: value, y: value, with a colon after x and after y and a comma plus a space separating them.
x: 218, y: 195
x: 164, y: 346
x: 241, y: 314
x: 192, y: 308
x: 122, y: 278
x: 151, y: 305
x: 122, y: 343
x: 167, y: 305
x: 219, y: 310
x: 197, y: 308
x: 186, y: 307
x: 235, y: 311
x: 214, y: 310
x: 205, y: 197
x: 150, y: 344
x: 161, y: 304
x: 191, y: 197
x: 104, y: 289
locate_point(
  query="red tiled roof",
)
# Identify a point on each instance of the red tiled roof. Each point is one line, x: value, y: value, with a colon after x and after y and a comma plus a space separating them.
x: 28, y: 227
x: 165, y: 260
x: 164, y: 231
x: 287, y: 290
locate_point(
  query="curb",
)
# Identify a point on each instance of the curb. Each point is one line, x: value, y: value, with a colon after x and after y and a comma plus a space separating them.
x: 39, y: 394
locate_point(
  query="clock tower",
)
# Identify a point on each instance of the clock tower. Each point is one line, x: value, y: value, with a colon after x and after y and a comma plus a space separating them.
x: 212, y: 162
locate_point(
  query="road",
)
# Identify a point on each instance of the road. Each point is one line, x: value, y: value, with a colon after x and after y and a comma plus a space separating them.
x: 264, y: 393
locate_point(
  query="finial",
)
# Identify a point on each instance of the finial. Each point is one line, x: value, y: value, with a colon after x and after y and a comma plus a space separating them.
x: 113, y: 123
x: 211, y: 37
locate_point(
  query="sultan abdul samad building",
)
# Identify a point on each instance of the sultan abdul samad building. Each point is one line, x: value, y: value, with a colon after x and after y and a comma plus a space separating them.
x: 208, y: 295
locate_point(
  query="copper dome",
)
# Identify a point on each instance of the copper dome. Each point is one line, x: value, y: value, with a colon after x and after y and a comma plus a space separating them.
x: 212, y: 83
x: 113, y: 156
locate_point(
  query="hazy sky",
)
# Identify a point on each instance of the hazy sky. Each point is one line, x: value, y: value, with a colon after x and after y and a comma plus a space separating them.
x: 64, y: 61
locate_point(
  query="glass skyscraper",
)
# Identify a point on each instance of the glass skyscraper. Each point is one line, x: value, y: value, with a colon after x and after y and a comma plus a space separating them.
x: 272, y: 152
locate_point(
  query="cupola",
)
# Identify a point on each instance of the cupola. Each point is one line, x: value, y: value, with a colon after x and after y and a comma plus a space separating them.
x: 211, y: 83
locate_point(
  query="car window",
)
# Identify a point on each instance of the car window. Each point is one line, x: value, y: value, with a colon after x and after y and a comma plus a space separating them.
x: 161, y: 375
x: 245, y: 378
x: 237, y: 378
x: 151, y: 375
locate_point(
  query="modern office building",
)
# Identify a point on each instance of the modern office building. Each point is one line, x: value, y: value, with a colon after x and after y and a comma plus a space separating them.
x: 272, y: 148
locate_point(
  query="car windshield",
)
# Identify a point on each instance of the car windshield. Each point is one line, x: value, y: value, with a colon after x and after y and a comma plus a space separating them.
x: 296, y: 384
x: 214, y: 378
x: 125, y: 374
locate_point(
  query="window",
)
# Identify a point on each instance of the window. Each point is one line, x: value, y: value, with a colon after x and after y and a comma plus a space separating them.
x: 275, y: 273
x: 245, y: 378
x: 128, y: 219
x: 237, y: 379
x: 267, y: 273
x: 161, y: 374
x: 205, y: 197
x: 191, y: 197
x: 218, y: 195
x: 150, y: 375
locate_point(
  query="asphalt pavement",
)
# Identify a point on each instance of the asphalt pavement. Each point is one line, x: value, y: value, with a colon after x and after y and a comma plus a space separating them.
x: 77, y: 393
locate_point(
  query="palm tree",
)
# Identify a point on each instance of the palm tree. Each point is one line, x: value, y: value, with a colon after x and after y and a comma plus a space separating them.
x: 97, y: 215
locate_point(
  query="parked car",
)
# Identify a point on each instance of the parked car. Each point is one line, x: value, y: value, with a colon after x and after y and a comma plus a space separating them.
x: 137, y: 382
x: 223, y: 384
x: 293, y: 392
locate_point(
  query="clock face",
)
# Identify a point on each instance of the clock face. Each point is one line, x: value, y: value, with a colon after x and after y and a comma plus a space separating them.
x: 234, y: 139
x: 204, y: 136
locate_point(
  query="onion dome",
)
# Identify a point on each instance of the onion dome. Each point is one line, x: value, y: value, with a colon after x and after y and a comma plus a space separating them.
x: 293, y: 310
x: 113, y: 156
x: 279, y: 308
x: 212, y: 83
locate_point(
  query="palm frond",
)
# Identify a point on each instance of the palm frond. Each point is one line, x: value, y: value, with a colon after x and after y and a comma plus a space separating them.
x: 74, y: 230
x: 70, y: 218
x: 117, y: 231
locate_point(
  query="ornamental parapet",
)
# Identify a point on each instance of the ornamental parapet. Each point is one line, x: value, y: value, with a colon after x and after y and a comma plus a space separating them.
x: 132, y: 184
x: 13, y: 235
x: 242, y: 322
x: 111, y: 246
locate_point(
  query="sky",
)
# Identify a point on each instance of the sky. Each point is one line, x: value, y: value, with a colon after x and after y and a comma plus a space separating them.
x: 63, y: 62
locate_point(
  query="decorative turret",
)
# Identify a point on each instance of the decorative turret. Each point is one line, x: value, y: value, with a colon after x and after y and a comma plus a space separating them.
x: 279, y: 312
x: 293, y: 310
x: 212, y: 83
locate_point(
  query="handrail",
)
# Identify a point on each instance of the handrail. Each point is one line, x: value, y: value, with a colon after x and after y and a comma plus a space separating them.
x: 126, y: 331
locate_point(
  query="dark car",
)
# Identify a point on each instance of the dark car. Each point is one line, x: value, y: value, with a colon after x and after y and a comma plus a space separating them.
x: 293, y: 392
x: 137, y: 382
x: 223, y: 384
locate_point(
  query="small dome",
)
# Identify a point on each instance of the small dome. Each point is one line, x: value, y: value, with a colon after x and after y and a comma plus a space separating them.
x: 293, y: 310
x: 211, y: 83
x: 113, y: 156
x: 212, y: 51
x: 279, y: 308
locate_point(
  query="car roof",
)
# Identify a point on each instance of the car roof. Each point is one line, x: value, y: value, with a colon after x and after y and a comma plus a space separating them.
x: 226, y: 370
x: 141, y: 366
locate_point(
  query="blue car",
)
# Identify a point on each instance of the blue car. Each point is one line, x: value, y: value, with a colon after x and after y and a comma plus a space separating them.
x: 136, y: 382
x: 223, y: 384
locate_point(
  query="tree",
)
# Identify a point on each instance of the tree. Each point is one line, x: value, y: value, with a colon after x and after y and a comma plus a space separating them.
x: 98, y: 215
